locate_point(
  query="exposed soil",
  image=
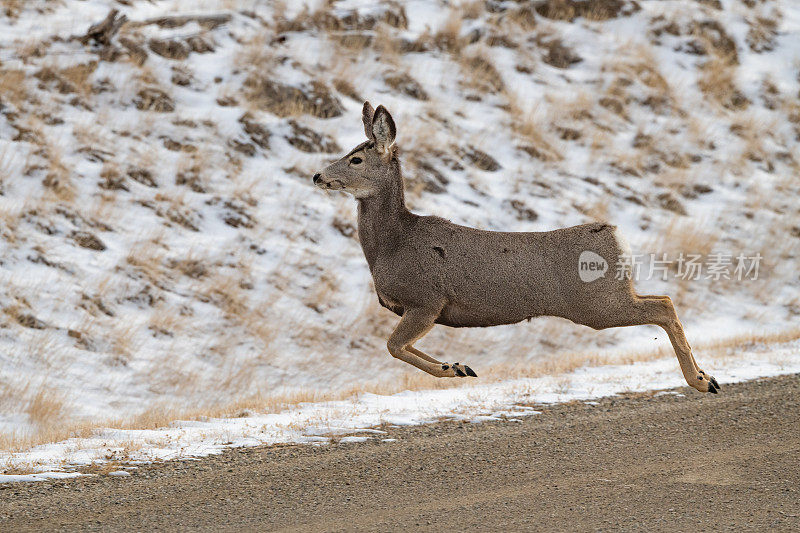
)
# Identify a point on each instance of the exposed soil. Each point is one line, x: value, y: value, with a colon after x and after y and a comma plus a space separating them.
x: 642, y: 462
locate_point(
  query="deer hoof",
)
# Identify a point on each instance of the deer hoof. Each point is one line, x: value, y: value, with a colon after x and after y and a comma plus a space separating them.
x: 459, y: 370
x: 713, y: 385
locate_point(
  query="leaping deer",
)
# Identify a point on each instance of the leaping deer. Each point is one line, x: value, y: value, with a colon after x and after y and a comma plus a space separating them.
x: 430, y: 271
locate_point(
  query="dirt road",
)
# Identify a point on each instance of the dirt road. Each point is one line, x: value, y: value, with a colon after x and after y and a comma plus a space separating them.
x: 655, y: 463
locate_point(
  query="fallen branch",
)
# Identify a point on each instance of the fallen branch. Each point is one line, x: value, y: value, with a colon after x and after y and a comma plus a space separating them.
x: 102, y: 32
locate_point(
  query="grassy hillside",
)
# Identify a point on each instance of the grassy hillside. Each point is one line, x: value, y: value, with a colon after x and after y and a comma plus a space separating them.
x: 163, y: 250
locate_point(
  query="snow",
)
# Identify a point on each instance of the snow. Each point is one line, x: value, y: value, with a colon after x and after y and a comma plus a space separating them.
x: 320, y: 423
x: 39, y: 476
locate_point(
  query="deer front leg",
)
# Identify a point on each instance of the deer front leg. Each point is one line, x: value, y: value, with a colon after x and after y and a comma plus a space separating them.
x: 412, y: 327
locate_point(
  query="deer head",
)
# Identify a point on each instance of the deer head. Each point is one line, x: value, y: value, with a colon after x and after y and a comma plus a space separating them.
x: 366, y: 170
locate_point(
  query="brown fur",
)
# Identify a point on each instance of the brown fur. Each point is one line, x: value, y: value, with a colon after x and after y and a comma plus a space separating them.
x: 430, y: 271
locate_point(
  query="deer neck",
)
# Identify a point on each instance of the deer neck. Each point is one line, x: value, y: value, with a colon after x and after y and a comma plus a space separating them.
x: 381, y: 216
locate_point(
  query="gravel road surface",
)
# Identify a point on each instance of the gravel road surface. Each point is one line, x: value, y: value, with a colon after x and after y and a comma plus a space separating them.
x: 644, y: 462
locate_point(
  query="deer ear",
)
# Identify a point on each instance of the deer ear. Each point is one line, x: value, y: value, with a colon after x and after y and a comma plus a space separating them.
x: 383, y: 129
x: 366, y: 116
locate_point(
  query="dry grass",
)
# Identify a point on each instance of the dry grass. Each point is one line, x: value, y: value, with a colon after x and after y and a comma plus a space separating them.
x: 12, y: 7
x: 448, y: 36
x: 58, y: 179
x: 531, y: 124
x: 256, y: 55
x: 763, y: 31
x: 479, y: 72
x: 755, y: 132
x: 166, y: 320
x: 46, y: 407
x: 718, y: 82
x: 162, y: 415
x: 13, y: 86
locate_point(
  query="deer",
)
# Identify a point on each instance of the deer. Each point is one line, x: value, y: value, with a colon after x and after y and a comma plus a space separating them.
x: 430, y: 271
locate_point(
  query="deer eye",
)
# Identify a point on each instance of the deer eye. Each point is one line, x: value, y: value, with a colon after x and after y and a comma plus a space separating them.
x: 355, y: 160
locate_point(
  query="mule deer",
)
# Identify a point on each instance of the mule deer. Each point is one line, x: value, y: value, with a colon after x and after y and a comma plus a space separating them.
x: 431, y: 271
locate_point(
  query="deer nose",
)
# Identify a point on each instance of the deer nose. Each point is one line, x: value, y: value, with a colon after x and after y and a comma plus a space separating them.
x: 316, y: 178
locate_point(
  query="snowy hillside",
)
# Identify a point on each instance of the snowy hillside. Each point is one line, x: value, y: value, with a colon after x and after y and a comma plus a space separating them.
x: 164, y: 254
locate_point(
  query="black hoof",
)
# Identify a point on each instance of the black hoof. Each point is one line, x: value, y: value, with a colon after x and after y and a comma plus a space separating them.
x: 470, y: 372
x: 445, y: 367
x: 459, y: 373
x: 711, y: 388
x: 714, y: 382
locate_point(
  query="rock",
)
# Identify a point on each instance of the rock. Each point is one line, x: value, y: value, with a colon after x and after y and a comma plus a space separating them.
x: 208, y: 22
x: 715, y: 35
x: 84, y: 239
x: 181, y: 77
x: 136, y: 52
x: 286, y: 100
x: 182, y: 216
x: 405, y: 84
x: 668, y: 201
x: 344, y: 227
x: 199, y: 45
x: 569, y: 134
x: 258, y: 133
x: 560, y: 56
x: 523, y: 211
x: 177, y: 146
x: 480, y: 159
x: 191, y: 178
x: 152, y: 99
x: 432, y: 180
x: 227, y: 101
x: 143, y: 176
x: 234, y: 212
x: 29, y: 321
x: 112, y: 181
x: 308, y: 140
x: 592, y: 9
x: 170, y: 48
x: 247, y: 149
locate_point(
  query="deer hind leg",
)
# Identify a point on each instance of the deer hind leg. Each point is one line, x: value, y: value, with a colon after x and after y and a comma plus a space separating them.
x: 659, y: 310
x: 412, y: 327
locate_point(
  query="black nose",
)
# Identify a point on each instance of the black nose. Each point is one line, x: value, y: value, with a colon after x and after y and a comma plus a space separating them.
x: 316, y: 178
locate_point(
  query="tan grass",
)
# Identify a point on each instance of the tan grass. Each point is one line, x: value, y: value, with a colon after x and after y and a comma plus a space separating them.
x: 256, y: 55
x: 58, y: 179
x: 448, y: 36
x: 717, y: 81
x: 479, y: 72
x: 755, y: 131
x: 161, y: 415
x: 13, y: 85
x: 12, y: 7
x: 166, y: 320
x: 532, y: 125
x: 46, y: 407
